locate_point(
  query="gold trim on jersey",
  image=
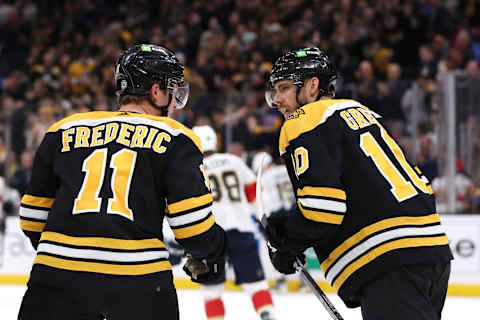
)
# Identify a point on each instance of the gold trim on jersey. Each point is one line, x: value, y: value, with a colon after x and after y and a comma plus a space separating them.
x: 101, y: 242
x: 429, y: 188
x: 105, y: 268
x: 194, y: 230
x: 374, y: 228
x: 389, y: 246
x: 125, y: 257
x: 190, y: 203
x: 319, y: 216
x: 32, y: 226
x: 98, y: 118
x: 322, y: 192
x: 35, y: 201
x: 311, y: 116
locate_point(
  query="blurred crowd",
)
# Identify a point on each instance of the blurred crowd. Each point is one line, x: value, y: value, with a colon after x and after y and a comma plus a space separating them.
x: 56, y: 58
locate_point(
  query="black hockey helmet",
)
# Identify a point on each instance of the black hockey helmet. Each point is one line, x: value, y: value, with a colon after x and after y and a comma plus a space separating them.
x: 141, y: 66
x: 300, y: 65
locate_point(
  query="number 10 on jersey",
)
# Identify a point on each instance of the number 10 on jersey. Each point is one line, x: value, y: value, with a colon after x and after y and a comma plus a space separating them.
x: 401, y: 188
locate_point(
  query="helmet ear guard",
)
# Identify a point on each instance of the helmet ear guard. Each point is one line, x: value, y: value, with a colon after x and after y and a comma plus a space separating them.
x: 299, y: 66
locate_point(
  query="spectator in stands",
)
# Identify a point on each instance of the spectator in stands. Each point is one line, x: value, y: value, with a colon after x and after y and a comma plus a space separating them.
x: 39, y: 123
x: 21, y: 177
x: 465, y: 192
x: 439, y: 47
x: 428, y: 65
x: 16, y: 112
x: 3, y: 188
x: 274, y: 42
x: 364, y: 89
x: 64, y: 50
x: 396, y: 83
x: 398, y: 130
x: 417, y: 102
x: 462, y: 42
x: 472, y: 73
x: 426, y: 161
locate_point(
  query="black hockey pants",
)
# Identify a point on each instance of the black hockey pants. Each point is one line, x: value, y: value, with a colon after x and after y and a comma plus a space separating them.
x: 415, y: 292
x: 51, y: 303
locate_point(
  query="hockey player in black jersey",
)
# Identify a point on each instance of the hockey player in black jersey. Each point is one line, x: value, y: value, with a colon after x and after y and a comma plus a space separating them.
x: 369, y: 215
x: 101, y: 185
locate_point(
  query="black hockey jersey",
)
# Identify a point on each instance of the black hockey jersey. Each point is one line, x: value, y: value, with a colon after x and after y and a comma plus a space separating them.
x: 101, y: 185
x: 360, y: 203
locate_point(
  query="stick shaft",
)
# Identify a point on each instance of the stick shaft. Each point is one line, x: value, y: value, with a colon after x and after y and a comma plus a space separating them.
x: 317, y: 291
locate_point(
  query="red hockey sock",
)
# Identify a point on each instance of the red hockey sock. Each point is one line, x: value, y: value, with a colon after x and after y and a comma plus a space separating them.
x: 261, y: 298
x: 214, y: 308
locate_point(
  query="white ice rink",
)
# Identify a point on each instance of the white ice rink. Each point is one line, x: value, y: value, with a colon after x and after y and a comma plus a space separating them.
x: 238, y: 306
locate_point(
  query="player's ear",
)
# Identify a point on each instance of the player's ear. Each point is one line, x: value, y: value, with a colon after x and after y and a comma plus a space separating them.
x: 312, y: 86
x: 155, y: 90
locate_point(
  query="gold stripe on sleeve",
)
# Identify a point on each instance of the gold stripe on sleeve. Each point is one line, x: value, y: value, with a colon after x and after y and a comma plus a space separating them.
x: 319, y: 216
x: 373, y: 228
x: 189, y: 203
x: 33, y: 226
x: 35, y: 201
x: 389, y: 246
x: 322, y: 192
x: 115, y: 269
x: 194, y: 230
x: 100, y: 242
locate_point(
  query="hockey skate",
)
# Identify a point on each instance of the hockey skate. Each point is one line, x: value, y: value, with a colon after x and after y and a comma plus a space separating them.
x: 266, y: 315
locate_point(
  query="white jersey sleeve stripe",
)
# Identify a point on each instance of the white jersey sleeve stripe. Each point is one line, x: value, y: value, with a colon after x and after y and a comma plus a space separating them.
x: 374, y: 241
x: 100, y: 254
x: 323, y: 204
x: 189, y: 218
x: 34, y: 213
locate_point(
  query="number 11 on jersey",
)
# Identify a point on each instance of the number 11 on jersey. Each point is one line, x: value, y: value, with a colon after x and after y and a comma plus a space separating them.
x: 94, y: 166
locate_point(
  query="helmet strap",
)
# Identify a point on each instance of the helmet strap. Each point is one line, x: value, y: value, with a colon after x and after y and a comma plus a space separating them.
x: 297, y: 93
x: 163, y: 109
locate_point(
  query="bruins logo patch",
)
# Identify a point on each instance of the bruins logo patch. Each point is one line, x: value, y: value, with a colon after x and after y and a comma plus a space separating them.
x: 296, y: 114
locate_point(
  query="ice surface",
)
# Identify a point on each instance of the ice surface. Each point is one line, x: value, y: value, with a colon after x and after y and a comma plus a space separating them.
x: 238, y: 306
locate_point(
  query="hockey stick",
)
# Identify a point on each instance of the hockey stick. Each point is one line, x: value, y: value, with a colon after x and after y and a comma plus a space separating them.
x: 327, y: 304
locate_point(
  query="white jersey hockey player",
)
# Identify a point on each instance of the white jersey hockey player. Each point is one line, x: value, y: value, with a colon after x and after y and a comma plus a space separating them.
x: 277, y: 195
x: 233, y: 186
x: 277, y: 198
x: 233, y: 189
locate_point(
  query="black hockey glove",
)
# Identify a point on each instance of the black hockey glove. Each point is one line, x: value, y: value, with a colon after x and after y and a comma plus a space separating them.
x: 275, y: 232
x: 209, y: 270
x: 285, y: 261
x: 205, y: 271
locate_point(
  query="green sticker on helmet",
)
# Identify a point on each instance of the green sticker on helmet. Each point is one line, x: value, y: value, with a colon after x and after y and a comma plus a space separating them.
x: 300, y: 53
x: 145, y: 47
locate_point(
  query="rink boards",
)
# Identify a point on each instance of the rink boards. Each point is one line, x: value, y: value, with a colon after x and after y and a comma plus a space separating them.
x: 16, y: 256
